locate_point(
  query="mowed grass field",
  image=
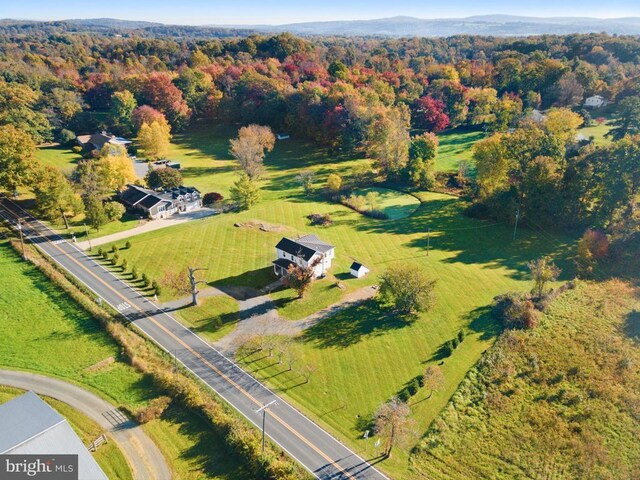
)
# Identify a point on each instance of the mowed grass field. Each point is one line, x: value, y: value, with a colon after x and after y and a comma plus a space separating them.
x: 43, y: 330
x: 59, y: 157
x: 363, y: 356
x: 203, y: 153
x: 109, y: 456
x: 393, y: 203
x: 456, y: 145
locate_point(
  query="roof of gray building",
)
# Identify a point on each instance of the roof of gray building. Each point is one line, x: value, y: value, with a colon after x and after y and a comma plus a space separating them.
x: 28, y: 425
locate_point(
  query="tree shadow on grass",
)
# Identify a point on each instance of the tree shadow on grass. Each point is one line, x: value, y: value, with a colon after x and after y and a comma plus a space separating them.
x: 471, y: 241
x: 440, y: 354
x: 207, y: 450
x: 213, y: 324
x: 632, y: 325
x: 196, y: 172
x: 254, y: 279
x: 482, y: 320
x: 350, y: 325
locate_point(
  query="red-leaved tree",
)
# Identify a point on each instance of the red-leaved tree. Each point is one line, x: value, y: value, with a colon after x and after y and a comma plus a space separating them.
x: 428, y: 113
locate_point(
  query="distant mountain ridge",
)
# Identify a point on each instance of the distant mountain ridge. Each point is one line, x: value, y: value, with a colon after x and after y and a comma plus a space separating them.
x: 401, y: 26
x: 498, y: 25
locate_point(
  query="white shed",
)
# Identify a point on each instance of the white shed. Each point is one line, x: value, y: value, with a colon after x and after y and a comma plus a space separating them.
x: 358, y: 270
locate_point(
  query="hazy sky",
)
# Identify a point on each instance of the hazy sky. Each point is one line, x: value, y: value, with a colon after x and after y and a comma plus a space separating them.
x: 199, y: 12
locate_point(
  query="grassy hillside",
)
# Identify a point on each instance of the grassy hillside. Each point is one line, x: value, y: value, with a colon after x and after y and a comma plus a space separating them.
x: 560, y: 401
x: 43, y: 330
x: 456, y: 145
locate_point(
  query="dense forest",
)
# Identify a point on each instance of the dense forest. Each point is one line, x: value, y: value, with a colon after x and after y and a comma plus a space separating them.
x: 387, y: 98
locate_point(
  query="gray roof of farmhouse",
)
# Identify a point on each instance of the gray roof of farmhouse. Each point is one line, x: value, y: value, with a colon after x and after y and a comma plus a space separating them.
x: 28, y: 425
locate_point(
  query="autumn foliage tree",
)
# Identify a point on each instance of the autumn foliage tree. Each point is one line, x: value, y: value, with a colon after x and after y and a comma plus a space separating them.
x: 17, y: 151
x: 114, y: 167
x: 159, y: 91
x: 250, y: 147
x: 592, y: 247
x: 422, y: 160
x: 407, y: 288
x: 388, y: 142
x: 299, y: 278
x: 428, y: 113
x: 393, y: 424
x: 146, y: 114
x: 155, y: 139
x: 543, y: 271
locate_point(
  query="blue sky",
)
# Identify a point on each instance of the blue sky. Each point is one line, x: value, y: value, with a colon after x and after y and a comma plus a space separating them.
x: 199, y: 12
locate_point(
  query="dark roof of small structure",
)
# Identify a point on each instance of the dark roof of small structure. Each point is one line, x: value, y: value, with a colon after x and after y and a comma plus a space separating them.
x: 356, y: 266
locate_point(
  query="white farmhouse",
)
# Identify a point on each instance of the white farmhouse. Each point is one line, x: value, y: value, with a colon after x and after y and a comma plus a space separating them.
x: 595, y: 101
x: 305, y: 251
x: 358, y: 270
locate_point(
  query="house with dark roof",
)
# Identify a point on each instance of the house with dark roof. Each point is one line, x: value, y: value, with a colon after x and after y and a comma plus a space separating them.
x: 305, y: 251
x: 29, y: 426
x: 161, y: 204
x: 96, y: 141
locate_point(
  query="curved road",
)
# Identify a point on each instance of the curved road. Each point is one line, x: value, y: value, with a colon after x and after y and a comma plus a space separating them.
x: 313, y: 447
x: 143, y: 455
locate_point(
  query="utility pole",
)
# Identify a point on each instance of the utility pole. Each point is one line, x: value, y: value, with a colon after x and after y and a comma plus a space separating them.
x: 515, y: 227
x: 263, y: 409
x: 428, y: 240
x: 24, y: 254
x: 86, y: 232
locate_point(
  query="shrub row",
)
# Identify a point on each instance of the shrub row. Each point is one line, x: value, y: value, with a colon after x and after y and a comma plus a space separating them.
x: 452, y: 344
x: 240, y: 437
x: 115, y: 261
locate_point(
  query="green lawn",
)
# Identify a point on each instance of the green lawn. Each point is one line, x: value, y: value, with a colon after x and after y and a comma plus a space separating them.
x: 393, y: 203
x: 322, y: 293
x: 38, y: 322
x: 203, y: 153
x: 59, y: 157
x: 43, y: 330
x: 598, y: 132
x: 456, y: 145
x: 213, y: 318
x: 357, y: 351
x: 109, y: 456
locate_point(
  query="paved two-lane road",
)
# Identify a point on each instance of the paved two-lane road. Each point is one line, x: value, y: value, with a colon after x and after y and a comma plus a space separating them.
x: 305, y: 441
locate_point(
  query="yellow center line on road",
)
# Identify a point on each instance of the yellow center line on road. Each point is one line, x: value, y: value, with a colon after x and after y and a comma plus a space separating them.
x: 197, y: 355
